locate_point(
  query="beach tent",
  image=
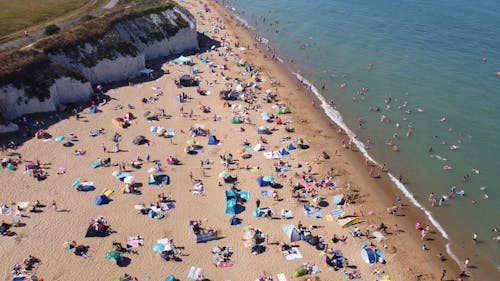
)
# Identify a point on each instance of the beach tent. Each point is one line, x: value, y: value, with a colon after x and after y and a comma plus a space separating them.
x: 184, y: 60
x: 212, y: 140
x: 290, y: 146
x: 263, y: 130
x: 186, y: 81
x: 10, y: 167
x: 101, y: 200
x: 368, y: 255
x: 97, y: 231
x: 284, y: 152
x: 158, y: 179
x: 171, y: 278
x: 59, y: 139
x: 282, y: 110
x: 86, y: 186
x: 291, y: 232
x: 139, y: 140
x: 261, y: 182
x: 303, y: 144
x: 299, y: 271
x: 234, y: 220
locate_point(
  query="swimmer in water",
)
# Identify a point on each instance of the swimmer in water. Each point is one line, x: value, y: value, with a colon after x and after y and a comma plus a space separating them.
x: 443, y: 119
x: 475, y: 171
x: 447, y: 167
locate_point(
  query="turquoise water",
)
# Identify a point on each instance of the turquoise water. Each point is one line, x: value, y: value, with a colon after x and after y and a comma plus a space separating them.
x: 427, y: 55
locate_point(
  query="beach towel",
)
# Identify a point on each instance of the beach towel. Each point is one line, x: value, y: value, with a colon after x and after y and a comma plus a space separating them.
x: 281, y: 277
x: 169, y: 133
x: 379, y: 236
x: 292, y: 254
x: 167, y: 206
x: 266, y: 193
x: 193, y: 272
x: 96, y: 164
x: 337, y: 213
x: 329, y: 217
x: 198, y: 188
x: 75, y: 182
x: 135, y: 241
x: 312, y: 212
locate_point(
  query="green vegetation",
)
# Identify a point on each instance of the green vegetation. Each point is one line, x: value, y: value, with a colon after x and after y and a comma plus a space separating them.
x: 18, y: 15
x: 87, y: 18
x: 51, y: 29
x: 33, y: 71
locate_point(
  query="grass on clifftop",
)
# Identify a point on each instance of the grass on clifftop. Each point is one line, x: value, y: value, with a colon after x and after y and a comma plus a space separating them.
x: 87, y: 32
x: 33, y: 69
x: 17, y: 15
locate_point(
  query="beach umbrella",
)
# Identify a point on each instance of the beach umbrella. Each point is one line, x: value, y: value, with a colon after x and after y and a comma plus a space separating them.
x: 241, y: 151
x: 170, y: 278
x: 326, y: 257
x: 158, y: 247
x: 59, y: 138
x: 112, y: 255
x: 316, y: 200
x: 32, y: 278
x: 68, y: 245
x: 191, y: 142
x: 129, y: 180
x: 223, y: 175
x: 268, y: 178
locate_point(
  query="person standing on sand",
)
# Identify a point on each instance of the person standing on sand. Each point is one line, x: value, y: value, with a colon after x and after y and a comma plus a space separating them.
x: 443, y: 275
x: 54, y: 205
x: 475, y: 237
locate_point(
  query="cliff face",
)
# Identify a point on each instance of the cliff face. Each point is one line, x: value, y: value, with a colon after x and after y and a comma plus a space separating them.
x: 14, y: 102
x: 78, y: 59
x: 122, y: 52
x: 160, y: 35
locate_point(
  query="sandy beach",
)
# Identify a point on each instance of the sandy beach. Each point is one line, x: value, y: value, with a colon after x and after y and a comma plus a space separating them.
x: 42, y: 234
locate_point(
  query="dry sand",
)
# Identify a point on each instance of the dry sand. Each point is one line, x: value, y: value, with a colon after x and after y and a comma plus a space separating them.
x: 45, y: 232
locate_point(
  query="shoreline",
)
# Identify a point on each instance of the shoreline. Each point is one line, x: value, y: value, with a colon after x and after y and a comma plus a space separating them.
x: 487, y: 268
x: 288, y: 68
x: 349, y: 165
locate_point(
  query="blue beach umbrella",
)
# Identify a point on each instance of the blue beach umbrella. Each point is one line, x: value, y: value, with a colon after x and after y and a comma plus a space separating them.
x: 59, y: 138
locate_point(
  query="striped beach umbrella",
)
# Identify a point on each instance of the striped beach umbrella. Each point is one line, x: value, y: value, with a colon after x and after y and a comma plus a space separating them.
x: 68, y: 245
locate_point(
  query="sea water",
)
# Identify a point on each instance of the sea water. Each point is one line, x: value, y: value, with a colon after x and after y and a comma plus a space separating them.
x: 427, y: 65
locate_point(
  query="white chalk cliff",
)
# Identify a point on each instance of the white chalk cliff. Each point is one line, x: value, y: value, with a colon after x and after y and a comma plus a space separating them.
x: 14, y: 102
x: 123, y: 51
x: 119, y: 55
